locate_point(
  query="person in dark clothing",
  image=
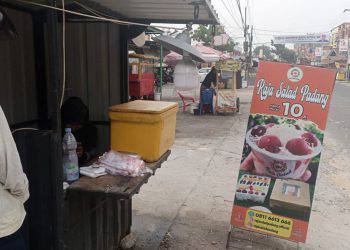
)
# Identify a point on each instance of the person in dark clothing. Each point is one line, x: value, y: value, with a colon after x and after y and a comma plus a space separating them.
x: 75, y: 115
x: 238, y: 79
x: 211, y: 78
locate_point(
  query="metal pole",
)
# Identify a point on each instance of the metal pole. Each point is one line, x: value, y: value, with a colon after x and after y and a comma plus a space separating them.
x: 161, y: 70
x: 245, y: 45
x: 54, y: 85
x: 54, y: 92
x: 348, y: 61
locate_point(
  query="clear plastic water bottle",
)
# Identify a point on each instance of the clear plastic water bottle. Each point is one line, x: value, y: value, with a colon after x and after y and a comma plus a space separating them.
x: 70, y: 158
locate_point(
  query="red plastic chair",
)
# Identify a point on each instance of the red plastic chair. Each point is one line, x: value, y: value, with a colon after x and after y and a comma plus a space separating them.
x: 184, y: 100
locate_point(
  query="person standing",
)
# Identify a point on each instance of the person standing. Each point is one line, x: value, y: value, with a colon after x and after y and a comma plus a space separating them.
x: 13, y: 190
x: 210, y: 79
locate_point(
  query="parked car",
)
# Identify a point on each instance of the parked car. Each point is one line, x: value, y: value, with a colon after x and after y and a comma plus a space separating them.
x: 203, y: 73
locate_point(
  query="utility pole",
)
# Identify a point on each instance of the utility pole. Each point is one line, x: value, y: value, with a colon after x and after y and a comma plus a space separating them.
x: 251, y: 47
x: 245, y: 34
x: 246, y: 44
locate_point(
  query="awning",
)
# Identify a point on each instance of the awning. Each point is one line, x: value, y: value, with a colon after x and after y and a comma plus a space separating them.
x: 145, y: 11
x: 212, y: 53
x: 180, y: 47
x: 163, y: 11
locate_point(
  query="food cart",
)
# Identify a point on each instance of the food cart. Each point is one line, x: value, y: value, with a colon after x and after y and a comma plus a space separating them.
x: 142, y: 76
x: 226, y: 100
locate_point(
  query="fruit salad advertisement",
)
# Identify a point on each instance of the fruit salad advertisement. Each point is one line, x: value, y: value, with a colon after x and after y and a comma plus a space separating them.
x: 282, y: 149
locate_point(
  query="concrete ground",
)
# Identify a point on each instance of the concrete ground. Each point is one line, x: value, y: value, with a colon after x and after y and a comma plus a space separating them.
x: 187, y: 204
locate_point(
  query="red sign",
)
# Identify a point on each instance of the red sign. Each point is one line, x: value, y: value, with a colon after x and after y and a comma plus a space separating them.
x: 282, y: 149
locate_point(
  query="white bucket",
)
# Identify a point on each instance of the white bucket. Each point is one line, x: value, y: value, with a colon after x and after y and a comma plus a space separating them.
x: 157, y: 96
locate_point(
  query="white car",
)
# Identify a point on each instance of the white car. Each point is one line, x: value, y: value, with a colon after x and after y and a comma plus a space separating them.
x: 203, y: 73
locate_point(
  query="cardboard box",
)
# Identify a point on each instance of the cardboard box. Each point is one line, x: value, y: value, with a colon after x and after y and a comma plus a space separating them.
x: 290, y: 195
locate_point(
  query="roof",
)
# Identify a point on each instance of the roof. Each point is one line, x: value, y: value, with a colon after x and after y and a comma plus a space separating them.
x: 207, y: 50
x: 153, y: 31
x: 163, y: 11
x: 210, y: 51
x: 147, y: 11
x: 179, y: 47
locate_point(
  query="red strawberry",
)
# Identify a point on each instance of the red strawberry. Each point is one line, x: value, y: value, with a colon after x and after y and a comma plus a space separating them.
x: 270, y: 143
x: 298, y: 146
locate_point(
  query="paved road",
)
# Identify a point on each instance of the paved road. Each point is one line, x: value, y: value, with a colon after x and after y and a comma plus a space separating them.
x: 339, y: 115
x: 187, y: 204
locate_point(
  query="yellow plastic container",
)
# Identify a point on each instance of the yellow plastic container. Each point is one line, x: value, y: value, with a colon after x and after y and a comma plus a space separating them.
x: 143, y: 127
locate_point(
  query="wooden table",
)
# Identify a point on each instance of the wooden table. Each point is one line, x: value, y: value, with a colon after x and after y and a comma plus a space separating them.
x: 99, y: 210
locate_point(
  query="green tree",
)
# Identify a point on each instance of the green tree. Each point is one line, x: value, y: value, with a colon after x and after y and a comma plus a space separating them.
x: 285, y: 54
x: 205, y: 34
x: 229, y: 47
x: 267, y: 53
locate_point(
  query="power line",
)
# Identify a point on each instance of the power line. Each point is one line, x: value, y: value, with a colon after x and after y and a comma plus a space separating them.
x: 249, y: 6
x: 290, y: 32
x: 240, y: 12
x: 231, y: 14
x: 228, y: 27
x: 232, y: 5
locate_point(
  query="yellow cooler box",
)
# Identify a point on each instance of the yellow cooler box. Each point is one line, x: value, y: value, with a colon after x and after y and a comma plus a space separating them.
x: 143, y: 127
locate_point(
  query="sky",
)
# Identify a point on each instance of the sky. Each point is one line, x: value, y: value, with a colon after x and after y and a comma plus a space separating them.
x: 282, y: 17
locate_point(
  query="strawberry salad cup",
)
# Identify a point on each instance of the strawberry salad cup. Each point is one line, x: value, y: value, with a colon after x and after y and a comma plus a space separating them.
x: 281, y: 151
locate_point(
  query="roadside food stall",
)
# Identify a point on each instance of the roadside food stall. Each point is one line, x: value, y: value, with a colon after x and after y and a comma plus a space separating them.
x: 142, y: 76
x: 226, y: 100
x: 39, y: 68
x: 341, y: 68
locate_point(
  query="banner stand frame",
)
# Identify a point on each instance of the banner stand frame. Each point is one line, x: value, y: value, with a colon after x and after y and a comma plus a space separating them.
x: 299, y: 245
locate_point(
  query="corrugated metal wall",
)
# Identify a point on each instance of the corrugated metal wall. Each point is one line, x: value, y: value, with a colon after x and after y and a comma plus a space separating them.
x: 17, y: 71
x: 93, y: 70
x: 93, y: 66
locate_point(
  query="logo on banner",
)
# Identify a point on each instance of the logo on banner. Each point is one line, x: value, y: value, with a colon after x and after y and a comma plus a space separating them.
x: 295, y: 74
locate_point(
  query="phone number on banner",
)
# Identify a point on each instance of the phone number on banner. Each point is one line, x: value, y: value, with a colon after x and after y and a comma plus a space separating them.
x: 268, y: 223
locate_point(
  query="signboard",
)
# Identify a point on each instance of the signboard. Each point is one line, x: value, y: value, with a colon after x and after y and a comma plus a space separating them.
x: 343, y: 45
x: 314, y: 38
x: 318, y: 51
x: 222, y: 39
x: 261, y: 53
x: 230, y: 65
x: 281, y: 153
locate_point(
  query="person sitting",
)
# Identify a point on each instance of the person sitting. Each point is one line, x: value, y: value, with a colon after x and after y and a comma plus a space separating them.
x: 75, y: 115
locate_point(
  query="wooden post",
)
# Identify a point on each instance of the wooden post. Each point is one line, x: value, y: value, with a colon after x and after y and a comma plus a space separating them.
x: 234, y: 82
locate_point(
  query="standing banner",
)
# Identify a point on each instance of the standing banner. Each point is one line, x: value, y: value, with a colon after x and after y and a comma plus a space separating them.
x: 281, y: 153
x: 318, y: 51
x: 343, y: 45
